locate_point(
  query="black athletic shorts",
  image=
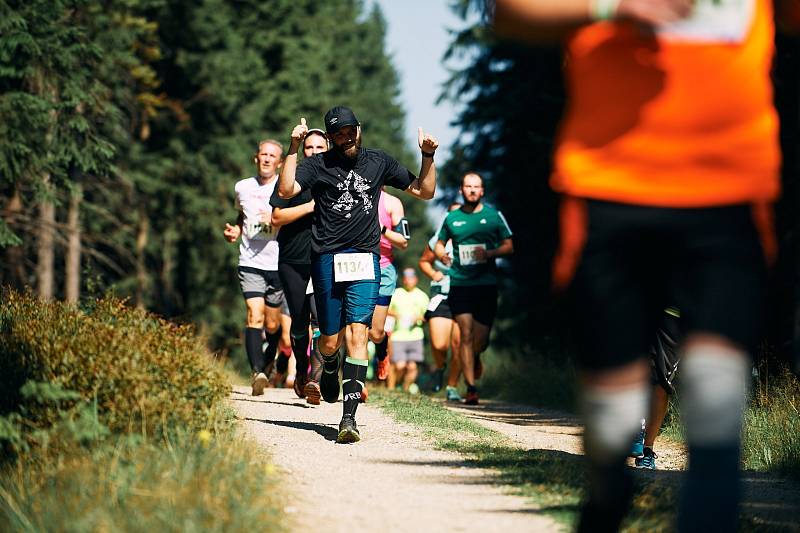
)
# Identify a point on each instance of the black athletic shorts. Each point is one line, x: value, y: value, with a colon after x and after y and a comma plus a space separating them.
x: 664, y: 352
x: 438, y: 307
x: 480, y: 301
x: 635, y: 260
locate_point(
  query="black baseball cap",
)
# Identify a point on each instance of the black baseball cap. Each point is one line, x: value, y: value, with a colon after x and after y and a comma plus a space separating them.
x: 338, y: 117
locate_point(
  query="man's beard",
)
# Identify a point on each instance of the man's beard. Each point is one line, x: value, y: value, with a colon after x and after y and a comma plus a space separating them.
x: 470, y: 205
x: 352, y: 152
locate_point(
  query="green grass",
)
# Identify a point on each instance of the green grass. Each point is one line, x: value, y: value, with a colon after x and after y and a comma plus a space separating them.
x: 204, y: 480
x: 114, y: 420
x: 552, y: 480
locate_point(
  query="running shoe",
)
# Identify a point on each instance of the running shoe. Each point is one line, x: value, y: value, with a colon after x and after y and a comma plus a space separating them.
x: 259, y: 381
x: 329, y: 383
x: 312, y: 393
x: 364, y: 395
x: 348, y: 431
x: 478, y: 367
x: 471, y: 398
x: 383, y: 368
x: 452, y: 394
x: 647, y: 460
x: 438, y: 379
x: 637, y: 448
x: 299, y: 385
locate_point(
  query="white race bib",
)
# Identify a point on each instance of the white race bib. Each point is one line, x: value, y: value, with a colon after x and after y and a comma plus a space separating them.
x: 353, y: 267
x: 466, y: 254
x: 258, y: 231
x: 720, y: 21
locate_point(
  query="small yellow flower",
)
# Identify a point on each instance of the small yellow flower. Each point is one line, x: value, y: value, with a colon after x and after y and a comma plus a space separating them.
x: 269, y: 469
x: 204, y: 436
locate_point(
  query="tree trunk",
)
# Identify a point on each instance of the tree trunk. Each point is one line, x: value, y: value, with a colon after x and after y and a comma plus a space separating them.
x: 142, y: 232
x: 14, y: 256
x: 45, y: 245
x: 72, y: 280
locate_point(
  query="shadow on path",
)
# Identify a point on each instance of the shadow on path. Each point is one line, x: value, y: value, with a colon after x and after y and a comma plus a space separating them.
x: 327, y: 432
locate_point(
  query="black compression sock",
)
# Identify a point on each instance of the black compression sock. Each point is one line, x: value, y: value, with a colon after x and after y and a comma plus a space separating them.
x: 252, y: 345
x: 471, y: 388
x: 354, y: 374
x: 300, y: 350
x: 382, y: 348
x: 272, y: 345
x: 330, y: 362
x: 711, y: 491
x: 316, y: 364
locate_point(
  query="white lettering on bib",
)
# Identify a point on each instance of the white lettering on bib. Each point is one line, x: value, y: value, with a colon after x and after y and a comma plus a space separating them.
x: 353, y: 267
x: 435, y: 301
x: 467, y: 254
x: 720, y: 21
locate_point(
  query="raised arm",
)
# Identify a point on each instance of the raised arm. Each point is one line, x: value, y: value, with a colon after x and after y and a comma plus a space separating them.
x: 541, y: 20
x: 424, y: 186
x: 287, y: 185
x: 286, y: 215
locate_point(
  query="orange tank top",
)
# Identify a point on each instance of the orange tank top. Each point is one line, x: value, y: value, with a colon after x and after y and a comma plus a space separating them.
x: 678, y: 118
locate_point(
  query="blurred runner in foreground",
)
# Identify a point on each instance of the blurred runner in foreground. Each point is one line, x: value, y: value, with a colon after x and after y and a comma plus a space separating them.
x: 669, y: 142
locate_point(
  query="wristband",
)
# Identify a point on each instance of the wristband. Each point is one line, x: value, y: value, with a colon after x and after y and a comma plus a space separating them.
x: 603, y: 9
x: 427, y: 154
x: 383, y: 230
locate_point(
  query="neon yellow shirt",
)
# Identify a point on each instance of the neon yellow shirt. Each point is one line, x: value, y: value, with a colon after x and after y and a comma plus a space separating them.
x: 409, y: 309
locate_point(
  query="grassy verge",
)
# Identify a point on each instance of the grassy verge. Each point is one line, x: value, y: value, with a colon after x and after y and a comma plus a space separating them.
x: 112, y: 419
x: 553, y: 480
x: 205, y: 480
x: 771, y: 436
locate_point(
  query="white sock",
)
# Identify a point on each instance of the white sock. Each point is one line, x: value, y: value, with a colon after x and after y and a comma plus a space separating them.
x: 613, y: 419
x: 714, y: 385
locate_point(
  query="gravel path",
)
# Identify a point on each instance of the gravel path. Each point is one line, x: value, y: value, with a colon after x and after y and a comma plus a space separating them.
x: 771, y: 501
x: 391, y: 481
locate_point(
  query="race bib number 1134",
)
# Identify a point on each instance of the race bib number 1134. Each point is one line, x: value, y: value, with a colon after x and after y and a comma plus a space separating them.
x: 713, y: 21
x: 353, y: 267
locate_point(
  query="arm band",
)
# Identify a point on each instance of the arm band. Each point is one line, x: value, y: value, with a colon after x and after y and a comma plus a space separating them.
x: 402, y: 228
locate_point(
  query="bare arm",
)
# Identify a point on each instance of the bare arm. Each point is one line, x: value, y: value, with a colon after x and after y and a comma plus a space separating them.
x: 441, y: 253
x: 426, y: 265
x: 287, y: 185
x: 541, y: 20
x: 506, y: 248
x: 397, y: 212
x: 424, y: 186
x: 286, y: 215
x: 232, y: 233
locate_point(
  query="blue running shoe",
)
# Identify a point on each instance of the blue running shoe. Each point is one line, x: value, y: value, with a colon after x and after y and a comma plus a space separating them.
x: 637, y: 449
x: 648, y: 460
x: 453, y: 395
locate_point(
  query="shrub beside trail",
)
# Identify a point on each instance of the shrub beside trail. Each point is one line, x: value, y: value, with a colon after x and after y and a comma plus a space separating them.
x: 141, y: 373
x: 116, y: 423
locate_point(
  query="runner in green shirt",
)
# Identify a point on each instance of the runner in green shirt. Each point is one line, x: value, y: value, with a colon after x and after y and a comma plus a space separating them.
x: 479, y: 234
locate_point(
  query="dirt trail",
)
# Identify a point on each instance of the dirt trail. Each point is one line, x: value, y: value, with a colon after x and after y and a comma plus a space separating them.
x: 771, y: 501
x: 390, y: 481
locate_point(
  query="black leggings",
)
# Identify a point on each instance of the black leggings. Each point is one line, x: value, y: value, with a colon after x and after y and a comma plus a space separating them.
x: 301, y: 305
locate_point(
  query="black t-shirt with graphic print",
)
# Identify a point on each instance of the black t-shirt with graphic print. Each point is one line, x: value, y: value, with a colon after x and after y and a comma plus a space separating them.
x: 294, y: 239
x: 346, y: 194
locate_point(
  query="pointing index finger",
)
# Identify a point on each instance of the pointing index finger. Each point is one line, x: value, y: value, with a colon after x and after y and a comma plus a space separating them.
x: 420, y: 135
x: 302, y: 121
